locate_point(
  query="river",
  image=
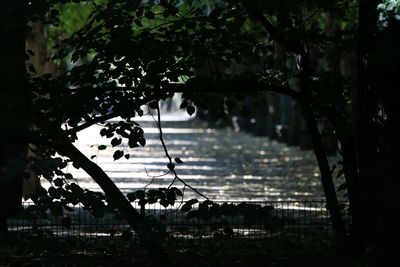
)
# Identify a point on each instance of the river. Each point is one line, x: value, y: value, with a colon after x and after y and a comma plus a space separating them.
x: 220, y: 163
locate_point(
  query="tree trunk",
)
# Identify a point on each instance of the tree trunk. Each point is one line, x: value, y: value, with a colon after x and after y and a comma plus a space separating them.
x: 363, y: 107
x: 14, y: 107
x: 147, y: 236
x: 326, y: 178
x: 322, y: 159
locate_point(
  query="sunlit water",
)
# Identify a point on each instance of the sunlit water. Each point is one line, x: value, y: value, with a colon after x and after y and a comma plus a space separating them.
x: 220, y: 163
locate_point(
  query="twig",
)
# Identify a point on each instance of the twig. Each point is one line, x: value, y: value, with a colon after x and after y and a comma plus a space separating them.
x: 153, y: 177
x: 176, y: 177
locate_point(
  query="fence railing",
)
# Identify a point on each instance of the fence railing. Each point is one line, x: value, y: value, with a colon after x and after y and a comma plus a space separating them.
x: 278, y: 218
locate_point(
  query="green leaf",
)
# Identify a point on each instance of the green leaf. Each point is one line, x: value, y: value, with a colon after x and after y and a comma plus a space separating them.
x: 118, y: 154
x: 68, y: 176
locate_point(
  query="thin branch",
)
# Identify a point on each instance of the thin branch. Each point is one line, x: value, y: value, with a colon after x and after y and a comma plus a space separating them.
x: 153, y: 177
x: 176, y: 177
x: 202, y: 85
x: 95, y: 120
x: 91, y: 122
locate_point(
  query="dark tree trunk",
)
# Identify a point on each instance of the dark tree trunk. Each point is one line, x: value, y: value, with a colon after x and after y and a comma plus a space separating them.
x: 294, y: 125
x: 149, y: 238
x: 14, y: 107
x: 311, y: 122
x: 363, y: 107
x: 320, y: 153
x: 326, y: 178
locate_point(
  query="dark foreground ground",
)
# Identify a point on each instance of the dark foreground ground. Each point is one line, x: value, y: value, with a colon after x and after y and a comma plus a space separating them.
x: 48, y: 251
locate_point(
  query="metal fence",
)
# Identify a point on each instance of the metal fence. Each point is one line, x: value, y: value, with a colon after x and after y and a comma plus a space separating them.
x: 295, y: 218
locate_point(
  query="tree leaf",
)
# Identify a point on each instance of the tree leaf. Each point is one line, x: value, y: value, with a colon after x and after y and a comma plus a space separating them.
x: 190, y: 110
x: 58, y: 182
x: 178, y: 160
x: 142, y: 141
x: 118, y: 154
x: 188, y: 205
x: 116, y: 141
x: 131, y: 197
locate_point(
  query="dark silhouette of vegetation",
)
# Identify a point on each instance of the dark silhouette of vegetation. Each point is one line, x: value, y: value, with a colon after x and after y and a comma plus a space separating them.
x: 338, y: 60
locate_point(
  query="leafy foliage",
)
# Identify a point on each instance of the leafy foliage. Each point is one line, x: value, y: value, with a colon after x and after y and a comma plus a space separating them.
x: 165, y: 196
x: 131, y: 54
x: 221, y: 215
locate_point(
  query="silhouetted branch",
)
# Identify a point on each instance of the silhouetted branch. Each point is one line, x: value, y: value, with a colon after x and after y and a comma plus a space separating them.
x: 171, y: 164
x: 275, y: 34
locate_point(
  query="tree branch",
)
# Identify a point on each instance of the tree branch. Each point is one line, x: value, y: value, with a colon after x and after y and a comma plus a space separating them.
x: 94, y: 120
x: 89, y: 123
x: 147, y: 236
x: 200, y: 85
x: 171, y: 164
x: 275, y: 34
x: 67, y: 149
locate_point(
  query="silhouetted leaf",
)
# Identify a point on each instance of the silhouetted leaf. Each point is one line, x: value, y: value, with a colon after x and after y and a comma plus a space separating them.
x: 178, y: 160
x: 190, y: 110
x: 116, y: 141
x: 118, y: 154
x: 188, y: 205
x: 58, y: 182
x: 142, y: 141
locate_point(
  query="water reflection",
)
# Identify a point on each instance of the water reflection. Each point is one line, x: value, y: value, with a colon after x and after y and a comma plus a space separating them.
x: 221, y: 163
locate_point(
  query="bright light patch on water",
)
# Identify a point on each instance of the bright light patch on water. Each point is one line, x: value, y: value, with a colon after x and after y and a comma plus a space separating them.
x: 220, y: 163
